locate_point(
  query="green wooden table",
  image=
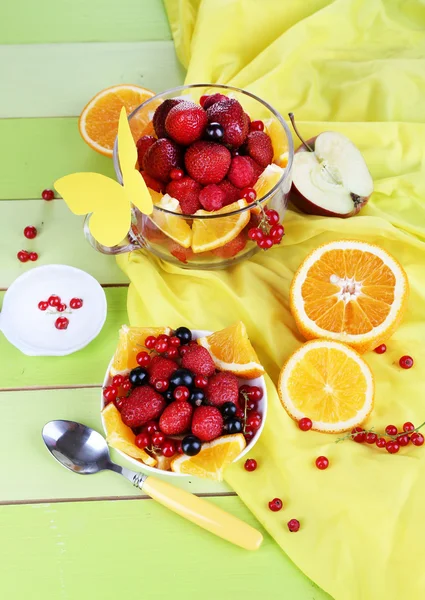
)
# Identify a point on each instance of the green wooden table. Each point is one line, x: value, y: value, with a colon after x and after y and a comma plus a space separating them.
x: 66, y: 537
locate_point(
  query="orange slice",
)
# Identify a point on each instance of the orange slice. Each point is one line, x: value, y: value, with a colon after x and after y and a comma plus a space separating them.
x: 173, y: 226
x: 268, y: 179
x: 131, y: 342
x: 121, y: 437
x: 212, y: 459
x: 329, y: 383
x: 349, y: 291
x: 98, y: 122
x: 279, y: 142
x: 232, y: 351
x: 209, y: 234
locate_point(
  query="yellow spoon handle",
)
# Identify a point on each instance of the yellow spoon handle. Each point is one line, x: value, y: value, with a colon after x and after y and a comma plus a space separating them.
x: 203, y: 513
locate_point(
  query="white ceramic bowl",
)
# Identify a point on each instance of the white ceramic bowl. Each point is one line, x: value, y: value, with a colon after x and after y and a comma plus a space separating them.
x: 262, y: 409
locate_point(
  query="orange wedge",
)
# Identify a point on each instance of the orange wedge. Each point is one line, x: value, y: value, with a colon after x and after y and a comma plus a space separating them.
x: 268, y: 179
x: 279, y: 142
x: 121, y: 437
x: 212, y: 459
x: 349, y: 291
x: 209, y: 234
x: 232, y: 351
x: 329, y: 383
x: 174, y: 227
x: 98, y: 122
x: 131, y: 342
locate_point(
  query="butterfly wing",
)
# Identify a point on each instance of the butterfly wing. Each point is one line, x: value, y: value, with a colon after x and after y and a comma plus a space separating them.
x: 103, y: 197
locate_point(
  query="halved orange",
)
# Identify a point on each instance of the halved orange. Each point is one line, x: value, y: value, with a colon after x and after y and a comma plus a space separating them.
x: 98, y: 122
x: 121, y: 437
x: 212, y: 459
x: 209, y: 234
x: 131, y: 342
x: 232, y: 351
x: 349, y: 291
x: 329, y: 383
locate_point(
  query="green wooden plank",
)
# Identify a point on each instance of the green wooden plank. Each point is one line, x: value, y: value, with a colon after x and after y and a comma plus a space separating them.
x: 34, y: 86
x: 79, y: 21
x: 137, y: 549
x: 86, y: 367
x: 60, y: 239
x: 23, y: 416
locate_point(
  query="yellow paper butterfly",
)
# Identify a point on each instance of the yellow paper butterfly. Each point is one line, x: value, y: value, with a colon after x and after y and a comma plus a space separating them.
x: 107, y: 200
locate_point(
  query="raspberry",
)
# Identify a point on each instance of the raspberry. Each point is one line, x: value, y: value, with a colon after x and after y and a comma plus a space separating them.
x: 222, y: 388
x: 259, y: 147
x: 229, y: 113
x: 232, y: 248
x: 152, y: 183
x: 198, y: 360
x: 142, y: 405
x: 207, y: 423
x: 210, y: 100
x: 241, y: 172
x: 176, y: 418
x: 161, y: 368
x: 185, y: 123
x: 160, y: 158
x: 207, y: 162
x: 182, y: 254
x: 232, y: 192
x: 257, y: 168
x: 186, y: 191
x: 161, y: 114
x: 143, y: 145
x: 212, y: 197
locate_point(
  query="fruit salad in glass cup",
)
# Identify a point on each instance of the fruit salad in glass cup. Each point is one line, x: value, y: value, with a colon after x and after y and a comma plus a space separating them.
x: 217, y: 161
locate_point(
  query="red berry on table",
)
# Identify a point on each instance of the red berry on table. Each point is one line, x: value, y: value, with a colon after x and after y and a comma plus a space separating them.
x: 371, y: 437
x: 417, y: 439
x: 61, y: 307
x: 408, y: 427
x: 201, y: 381
x: 23, y: 256
x: 172, y: 353
x: 158, y: 438
x: 168, y: 448
x: 380, y: 349
x: 161, y: 346
x: 266, y: 243
x: 381, y: 442
x: 176, y: 418
x: 256, y: 126
x: 253, y: 421
x: 76, y: 303
x: 43, y: 305
x: 143, y: 440
x: 61, y: 323
x: 143, y: 359
x: 392, y: 447
x: 391, y: 430
x: 181, y: 393
x: 33, y: 256
x: 174, y: 341
x: 151, y: 427
x: 403, y: 440
x: 54, y: 300
x: 118, y: 380
x: 406, y: 362
x: 272, y: 216
x: 30, y: 232
x: 110, y: 393
x: 161, y: 385
x: 126, y: 386
x: 322, y: 463
x: 293, y: 525
x: 150, y: 342
x: 275, y: 505
x: 48, y: 194
x: 249, y: 194
x: 359, y: 435
x: 255, y: 234
x: 250, y: 464
x: 305, y: 424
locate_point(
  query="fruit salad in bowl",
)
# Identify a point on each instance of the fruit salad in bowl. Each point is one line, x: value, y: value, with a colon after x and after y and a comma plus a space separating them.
x: 184, y: 402
x: 217, y: 161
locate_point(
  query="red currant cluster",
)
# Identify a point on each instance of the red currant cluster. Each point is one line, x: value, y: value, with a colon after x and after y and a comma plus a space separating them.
x: 269, y: 231
x: 24, y: 256
x: 393, y: 442
x: 249, y: 396
x: 152, y: 439
x: 163, y: 344
x: 55, y: 303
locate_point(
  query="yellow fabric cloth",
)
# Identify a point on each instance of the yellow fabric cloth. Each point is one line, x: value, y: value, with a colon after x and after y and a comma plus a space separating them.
x: 356, y: 67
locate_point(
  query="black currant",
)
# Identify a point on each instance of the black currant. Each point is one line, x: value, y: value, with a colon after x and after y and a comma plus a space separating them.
x: 233, y: 426
x: 181, y: 377
x: 184, y: 334
x: 228, y: 409
x: 138, y: 376
x: 191, y: 445
x: 197, y: 397
x: 214, y: 132
x: 168, y: 396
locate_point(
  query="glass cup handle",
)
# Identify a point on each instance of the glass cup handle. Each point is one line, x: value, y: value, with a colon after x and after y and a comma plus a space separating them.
x: 134, y: 243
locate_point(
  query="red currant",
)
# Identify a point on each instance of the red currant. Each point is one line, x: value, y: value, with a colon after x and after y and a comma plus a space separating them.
x: 76, y: 303
x: 266, y: 243
x: 54, y: 300
x: 276, y: 233
x: 371, y: 437
x: 33, y: 256
x: 250, y: 464
x: 293, y: 525
x: 23, y: 256
x: 143, y: 440
x: 359, y: 435
x: 30, y: 232
x: 322, y: 463
x: 47, y: 194
x: 240, y: 414
x: 143, y: 359
x: 158, y: 438
x: 110, y: 393
x: 392, y: 447
x: 249, y: 194
x: 150, y: 342
x: 61, y: 323
x: 181, y: 393
x: 172, y: 352
x: 417, y: 439
x: 253, y: 421
x: 380, y: 349
x: 119, y: 402
x: 126, y: 386
x: 249, y: 435
x: 255, y: 234
x: 408, y: 427
x: 305, y: 424
x: 254, y: 392
x: 118, y: 380
x: 381, y: 442
x: 61, y: 307
x: 176, y: 174
x: 406, y: 362
x: 275, y: 505
x: 151, y: 427
x: 174, y: 341
x: 201, y: 381
x: 251, y: 405
x: 168, y: 448
x: 161, y: 385
x: 179, y: 448
x: 161, y: 346
x: 183, y: 350
x: 43, y: 305
x: 272, y: 216
x: 391, y: 430
x: 256, y: 126
x: 403, y: 440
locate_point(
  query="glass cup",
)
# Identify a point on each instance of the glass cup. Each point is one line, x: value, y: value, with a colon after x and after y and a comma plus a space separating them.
x: 155, y: 233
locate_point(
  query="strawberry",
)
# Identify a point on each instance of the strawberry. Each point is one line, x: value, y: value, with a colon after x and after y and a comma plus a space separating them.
x: 160, y: 158
x: 257, y: 168
x: 176, y: 418
x: 143, y: 144
x: 152, y: 183
x: 229, y: 113
x: 161, y: 368
x: 207, y: 423
x: 241, y: 172
x: 198, y: 360
x: 152, y: 233
x: 232, y: 248
x: 212, y: 197
x: 222, y: 387
x: 259, y: 147
x: 186, y: 191
x: 185, y: 123
x: 232, y: 192
x: 182, y: 254
x: 207, y: 162
x: 161, y: 114
x: 210, y: 100
x: 142, y: 405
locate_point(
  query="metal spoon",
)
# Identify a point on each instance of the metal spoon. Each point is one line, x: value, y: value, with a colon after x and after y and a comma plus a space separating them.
x: 84, y: 451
